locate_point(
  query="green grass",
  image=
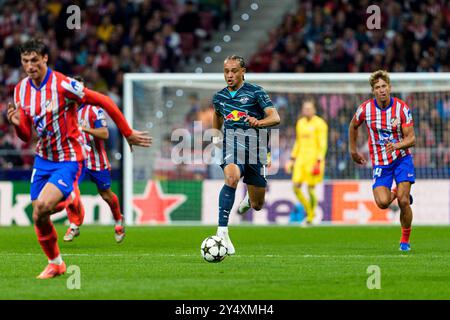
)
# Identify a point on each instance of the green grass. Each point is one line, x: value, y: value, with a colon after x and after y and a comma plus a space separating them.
x: 271, y: 263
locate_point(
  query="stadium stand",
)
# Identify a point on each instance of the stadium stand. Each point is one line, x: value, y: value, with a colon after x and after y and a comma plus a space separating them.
x: 161, y: 36
x: 331, y: 36
x: 115, y: 37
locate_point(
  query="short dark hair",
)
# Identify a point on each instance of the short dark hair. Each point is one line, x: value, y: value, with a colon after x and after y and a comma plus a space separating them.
x: 34, y: 45
x: 237, y: 58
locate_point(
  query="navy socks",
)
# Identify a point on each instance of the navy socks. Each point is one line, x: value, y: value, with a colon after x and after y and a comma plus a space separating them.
x: 226, y: 201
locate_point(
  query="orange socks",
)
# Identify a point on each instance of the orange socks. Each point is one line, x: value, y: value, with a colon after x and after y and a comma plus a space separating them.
x: 75, y: 210
x: 115, y: 208
x: 405, y: 235
x: 48, y: 239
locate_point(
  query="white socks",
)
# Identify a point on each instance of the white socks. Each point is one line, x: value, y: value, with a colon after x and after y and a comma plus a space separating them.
x: 58, y: 260
x: 222, y: 230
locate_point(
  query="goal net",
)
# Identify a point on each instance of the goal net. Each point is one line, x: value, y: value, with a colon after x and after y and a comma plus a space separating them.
x: 169, y: 182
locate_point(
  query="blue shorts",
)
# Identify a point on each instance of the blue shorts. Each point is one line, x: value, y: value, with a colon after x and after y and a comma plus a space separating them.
x: 254, y: 174
x: 101, y: 178
x: 62, y: 174
x: 401, y: 170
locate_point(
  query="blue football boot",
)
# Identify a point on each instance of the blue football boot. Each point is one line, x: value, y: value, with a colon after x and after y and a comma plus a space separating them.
x: 405, y: 246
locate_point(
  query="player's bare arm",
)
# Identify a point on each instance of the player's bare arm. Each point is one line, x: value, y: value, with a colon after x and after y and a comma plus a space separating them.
x: 409, y: 140
x: 217, y: 121
x: 353, y: 138
x: 99, y: 133
x: 272, y: 118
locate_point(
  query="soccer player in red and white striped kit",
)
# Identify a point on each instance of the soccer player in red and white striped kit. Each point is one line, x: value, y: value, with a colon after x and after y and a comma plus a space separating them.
x: 390, y: 128
x: 46, y: 100
x: 94, y: 130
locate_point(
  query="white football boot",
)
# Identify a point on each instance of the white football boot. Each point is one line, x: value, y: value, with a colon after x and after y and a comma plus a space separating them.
x: 222, y: 232
x: 244, y: 205
x: 72, y: 232
x: 119, y: 231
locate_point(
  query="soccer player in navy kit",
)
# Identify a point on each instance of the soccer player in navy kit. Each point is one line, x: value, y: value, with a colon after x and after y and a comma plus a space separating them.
x: 245, y: 110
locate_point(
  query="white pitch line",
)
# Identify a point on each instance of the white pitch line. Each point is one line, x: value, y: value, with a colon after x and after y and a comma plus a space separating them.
x: 357, y: 256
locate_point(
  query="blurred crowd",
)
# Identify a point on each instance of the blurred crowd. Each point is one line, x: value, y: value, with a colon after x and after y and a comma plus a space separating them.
x: 333, y: 36
x: 115, y: 37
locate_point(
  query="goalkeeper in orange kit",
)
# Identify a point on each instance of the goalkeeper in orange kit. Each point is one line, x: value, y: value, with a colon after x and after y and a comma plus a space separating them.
x: 307, y: 161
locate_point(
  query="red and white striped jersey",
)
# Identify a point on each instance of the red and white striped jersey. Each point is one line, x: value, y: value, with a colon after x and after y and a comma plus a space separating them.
x: 53, y: 113
x: 93, y: 117
x: 384, y: 126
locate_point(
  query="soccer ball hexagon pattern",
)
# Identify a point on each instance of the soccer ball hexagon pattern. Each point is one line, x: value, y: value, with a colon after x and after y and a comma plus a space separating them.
x: 213, y: 249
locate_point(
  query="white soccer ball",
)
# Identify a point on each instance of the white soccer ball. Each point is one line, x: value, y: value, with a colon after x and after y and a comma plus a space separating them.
x: 213, y: 249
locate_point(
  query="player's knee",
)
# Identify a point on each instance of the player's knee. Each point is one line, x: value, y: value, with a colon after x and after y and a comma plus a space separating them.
x: 40, y: 219
x: 382, y: 203
x: 43, y: 207
x: 41, y: 211
x: 403, y: 201
x: 232, y: 181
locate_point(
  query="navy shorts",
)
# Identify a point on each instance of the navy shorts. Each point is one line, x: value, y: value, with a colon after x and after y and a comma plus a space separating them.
x: 62, y: 174
x: 401, y: 170
x: 101, y: 178
x: 254, y: 174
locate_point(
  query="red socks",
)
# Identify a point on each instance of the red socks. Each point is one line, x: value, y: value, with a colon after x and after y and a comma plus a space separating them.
x: 115, y: 207
x: 48, y: 239
x: 75, y: 210
x: 405, y: 235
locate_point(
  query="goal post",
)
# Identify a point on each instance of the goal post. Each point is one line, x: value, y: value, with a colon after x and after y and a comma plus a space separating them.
x: 164, y: 103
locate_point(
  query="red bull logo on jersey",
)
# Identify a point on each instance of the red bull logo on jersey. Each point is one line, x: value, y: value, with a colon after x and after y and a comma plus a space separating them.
x: 235, y: 115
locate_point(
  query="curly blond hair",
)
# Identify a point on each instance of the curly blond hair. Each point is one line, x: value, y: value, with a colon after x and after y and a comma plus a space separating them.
x: 379, y: 74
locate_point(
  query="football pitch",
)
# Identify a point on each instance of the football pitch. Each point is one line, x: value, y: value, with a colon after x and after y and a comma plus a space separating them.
x: 271, y: 262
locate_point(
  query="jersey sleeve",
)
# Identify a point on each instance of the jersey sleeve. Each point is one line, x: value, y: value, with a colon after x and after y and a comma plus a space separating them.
x: 216, y: 103
x: 98, y: 99
x: 322, y: 137
x: 24, y: 129
x: 98, y: 117
x: 360, y: 114
x: 406, y: 116
x: 72, y: 89
x: 263, y: 99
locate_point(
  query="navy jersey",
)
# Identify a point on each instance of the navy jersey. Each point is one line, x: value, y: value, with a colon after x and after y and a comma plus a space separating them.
x: 241, y: 142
